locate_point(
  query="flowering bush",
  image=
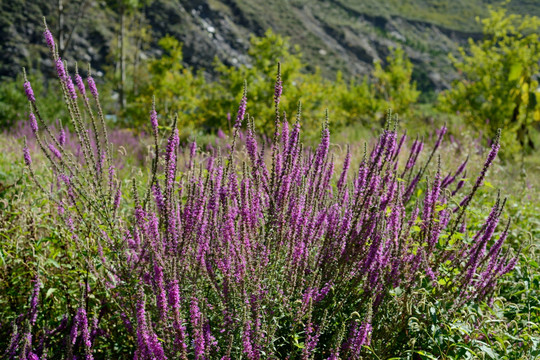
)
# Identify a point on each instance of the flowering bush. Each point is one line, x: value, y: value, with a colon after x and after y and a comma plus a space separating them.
x: 256, y: 252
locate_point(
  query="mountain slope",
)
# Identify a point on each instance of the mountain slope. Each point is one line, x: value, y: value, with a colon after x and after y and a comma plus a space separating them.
x: 346, y: 35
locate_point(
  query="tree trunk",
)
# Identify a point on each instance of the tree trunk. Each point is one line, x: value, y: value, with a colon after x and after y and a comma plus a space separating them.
x: 121, y: 95
x: 60, y: 28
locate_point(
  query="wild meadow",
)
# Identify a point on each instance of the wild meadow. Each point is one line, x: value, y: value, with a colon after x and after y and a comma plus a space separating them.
x: 274, y: 236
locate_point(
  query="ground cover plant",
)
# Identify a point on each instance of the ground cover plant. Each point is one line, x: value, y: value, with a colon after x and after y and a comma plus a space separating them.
x: 264, y: 248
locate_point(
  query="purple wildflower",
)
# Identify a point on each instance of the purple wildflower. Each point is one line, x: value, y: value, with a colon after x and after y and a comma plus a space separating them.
x: 83, y: 323
x: 60, y: 70
x: 346, y: 164
x: 241, y: 111
x: 161, y: 295
x: 221, y: 134
x: 196, y: 323
x: 29, y: 92
x: 49, y: 39
x: 80, y: 84
x: 117, y: 196
x: 441, y: 132
x: 62, y: 137
x: 75, y: 329
x: 158, y: 196
x: 322, y: 150
x: 92, y: 86
x: 143, y: 336
x: 34, y: 300
x: 192, y: 153
x: 55, y: 151
x: 26, y: 155
x: 33, y: 123
x: 154, y: 120
x: 71, y: 88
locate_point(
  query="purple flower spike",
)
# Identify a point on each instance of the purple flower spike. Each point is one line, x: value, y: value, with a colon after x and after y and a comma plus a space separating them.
x: 346, y: 164
x: 161, y: 295
x: 241, y: 111
x: 143, y: 336
x: 49, y: 39
x: 75, y: 329
x: 92, y: 86
x: 71, y: 88
x: 196, y: 323
x: 277, y: 92
x: 117, y: 196
x: 153, y: 120
x: 27, y: 158
x: 29, y: 92
x: 60, y: 69
x: 83, y: 321
x: 80, y: 84
x: 33, y: 123
x: 55, y: 151
x: 62, y: 137
x: 34, y: 301
x: 192, y: 153
x: 221, y: 134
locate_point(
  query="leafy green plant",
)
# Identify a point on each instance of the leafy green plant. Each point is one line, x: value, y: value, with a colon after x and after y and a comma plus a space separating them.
x: 202, y: 105
x: 175, y: 87
x: 498, y: 87
x: 14, y: 105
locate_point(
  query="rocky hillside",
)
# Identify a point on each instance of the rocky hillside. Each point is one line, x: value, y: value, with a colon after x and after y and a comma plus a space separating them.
x: 346, y: 35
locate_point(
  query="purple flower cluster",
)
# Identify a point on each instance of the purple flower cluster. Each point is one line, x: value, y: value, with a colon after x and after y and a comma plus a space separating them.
x: 33, y: 123
x: 29, y: 92
x: 71, y: 88
x: 49, y: 39
x: 60, y: 70
x: 241, y: 111
x: 226, y: 231
x: 26, y: 155
x: 80, y: 84
x: 244, y: 255
x: 92, y: 86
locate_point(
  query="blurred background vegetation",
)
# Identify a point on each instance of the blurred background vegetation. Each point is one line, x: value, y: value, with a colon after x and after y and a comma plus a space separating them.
x: 472, y: 64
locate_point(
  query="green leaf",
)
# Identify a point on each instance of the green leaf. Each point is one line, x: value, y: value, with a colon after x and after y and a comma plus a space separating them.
x: 425, y: 355
x: 49, y: 292
x: 515, y: 72
x: 487, y: 350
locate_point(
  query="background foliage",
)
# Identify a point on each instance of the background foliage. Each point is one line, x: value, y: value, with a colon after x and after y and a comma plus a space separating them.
x: 499, y: 87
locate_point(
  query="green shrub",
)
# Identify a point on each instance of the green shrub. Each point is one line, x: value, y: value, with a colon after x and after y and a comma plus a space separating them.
x: 498, y: 87
x: 201, y: 105
x: 14, y: 105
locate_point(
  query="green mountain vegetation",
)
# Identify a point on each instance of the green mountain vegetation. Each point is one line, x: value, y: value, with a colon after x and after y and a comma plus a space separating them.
x: 338, y: 35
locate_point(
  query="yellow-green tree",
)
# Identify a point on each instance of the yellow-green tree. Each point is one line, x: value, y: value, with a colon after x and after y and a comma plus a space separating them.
x: 498, y: 88
x: 298, y: 85
x: 355, y: 102
x: 393, y: 86
x: 204, y: 106
x: 177, y: 89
